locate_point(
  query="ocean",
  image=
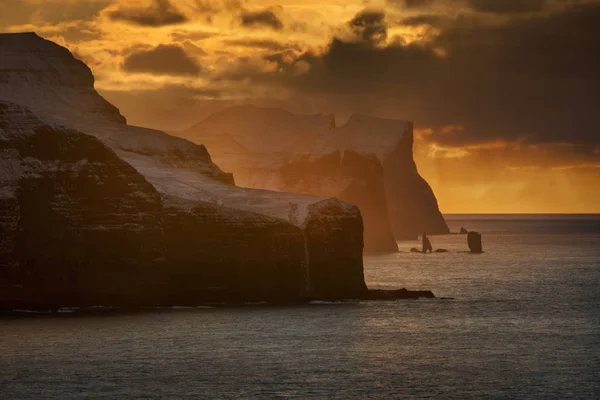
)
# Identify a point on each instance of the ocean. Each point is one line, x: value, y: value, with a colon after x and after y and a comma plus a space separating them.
x: 520, y: 321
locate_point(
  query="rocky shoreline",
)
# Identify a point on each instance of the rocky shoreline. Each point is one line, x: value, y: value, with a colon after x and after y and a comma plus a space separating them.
x: 20, y: 300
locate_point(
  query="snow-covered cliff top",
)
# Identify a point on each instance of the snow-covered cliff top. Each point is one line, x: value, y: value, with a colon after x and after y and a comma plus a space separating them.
x: 46, y: 77
x: 367, y: 135
x: 59, y: 89
x: 42, y: 83
x: 28, y: 58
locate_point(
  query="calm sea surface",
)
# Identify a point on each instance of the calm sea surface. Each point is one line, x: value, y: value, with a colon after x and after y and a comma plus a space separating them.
x: 523, y: 321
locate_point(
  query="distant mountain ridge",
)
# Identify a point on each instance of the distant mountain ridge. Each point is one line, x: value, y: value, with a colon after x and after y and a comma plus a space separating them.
x: 368, y: 161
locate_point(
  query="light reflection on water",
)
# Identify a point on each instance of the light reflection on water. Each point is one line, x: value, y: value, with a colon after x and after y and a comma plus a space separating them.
x: 524, y: 323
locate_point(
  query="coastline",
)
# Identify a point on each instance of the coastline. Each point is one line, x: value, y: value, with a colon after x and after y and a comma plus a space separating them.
x: 44, y: 306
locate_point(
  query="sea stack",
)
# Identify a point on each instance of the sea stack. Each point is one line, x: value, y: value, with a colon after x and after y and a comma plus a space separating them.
x: 474, y: 242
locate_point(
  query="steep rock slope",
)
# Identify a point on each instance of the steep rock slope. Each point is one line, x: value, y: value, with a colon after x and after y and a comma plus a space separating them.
x: 349, y: 176
x: 368, y: 162
x: 98, y: 212
x: 412, y: 205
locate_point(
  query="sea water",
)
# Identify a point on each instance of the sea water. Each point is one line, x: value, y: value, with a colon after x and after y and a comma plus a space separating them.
x: 521, y: 320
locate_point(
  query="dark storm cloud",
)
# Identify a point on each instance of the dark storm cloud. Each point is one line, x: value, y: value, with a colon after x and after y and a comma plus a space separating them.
x: 160, y: 13
x: 267, y: 44
x: 535, y: 78
x: 507, y: 6
x: 162, y: 60
x: 370, y: 26
x: 491, y: 6
x: 266, y: 18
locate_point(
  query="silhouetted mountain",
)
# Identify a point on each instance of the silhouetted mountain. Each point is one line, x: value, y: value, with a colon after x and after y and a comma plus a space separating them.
x: 368, y: 162
x: 94, y: 211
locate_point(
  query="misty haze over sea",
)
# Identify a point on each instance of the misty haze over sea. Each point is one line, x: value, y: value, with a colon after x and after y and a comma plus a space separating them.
x: 523, y: 322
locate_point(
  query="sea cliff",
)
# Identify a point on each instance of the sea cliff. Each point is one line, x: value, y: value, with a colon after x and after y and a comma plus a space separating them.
x: 367, y: 161
x: 97, y: 212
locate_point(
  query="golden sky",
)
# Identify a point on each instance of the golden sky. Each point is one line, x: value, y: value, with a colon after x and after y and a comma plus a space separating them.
x: 504, y: 94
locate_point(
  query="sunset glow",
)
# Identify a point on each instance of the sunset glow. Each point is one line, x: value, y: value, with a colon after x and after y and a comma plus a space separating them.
x: 497, y: 131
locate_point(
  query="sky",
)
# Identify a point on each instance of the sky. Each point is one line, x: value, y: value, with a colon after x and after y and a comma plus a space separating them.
x: 504, y: 94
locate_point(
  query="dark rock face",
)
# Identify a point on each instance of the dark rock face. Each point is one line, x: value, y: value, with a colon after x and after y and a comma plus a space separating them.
x: 412, y: 205
x: 334, y: 241
x: 474, y: 242
x: 365, y: 189
x: 81, y: 227
x: 74, y: 213
x: 96, y: 212
x: 211, y: 258
x: 463, y: 231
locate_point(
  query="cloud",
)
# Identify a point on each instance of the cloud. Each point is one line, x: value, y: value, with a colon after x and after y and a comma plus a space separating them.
x: 263, y: 43
x: 180, y: 36
x: 510, y: 177
x: 216, y: 6
x: 162, y: 60
x: 413, y: 3
x: 159, y: 13
x: 526, y: 78
x: 20, y: 12
x: 370, y: 26
x: 426, y: 19
x: 264, y: 18
x: 214, y: 11
x: 507, y: 6
x: 72, y: 32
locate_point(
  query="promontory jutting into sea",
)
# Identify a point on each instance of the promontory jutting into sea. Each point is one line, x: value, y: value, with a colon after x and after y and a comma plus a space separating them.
x: 98, y: 212
x: 260, y: 253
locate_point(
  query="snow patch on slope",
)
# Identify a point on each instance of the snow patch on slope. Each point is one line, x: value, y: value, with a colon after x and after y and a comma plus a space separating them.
x: 47, y: 78
x: 59, y: 90
x: 187, y: 184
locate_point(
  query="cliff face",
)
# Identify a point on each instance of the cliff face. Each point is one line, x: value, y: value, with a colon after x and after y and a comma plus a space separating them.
x: 413, y: 207
x: 94, y: 211
x: 351, y: 177
x: 367, y: 162
x: 73, y: 212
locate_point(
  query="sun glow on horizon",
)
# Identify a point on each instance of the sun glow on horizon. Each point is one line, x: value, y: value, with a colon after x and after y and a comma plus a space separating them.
x: 168, y: 64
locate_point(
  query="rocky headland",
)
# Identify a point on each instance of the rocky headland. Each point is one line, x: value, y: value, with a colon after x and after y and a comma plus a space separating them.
x: 96, y: 212
x: 367, y: 161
